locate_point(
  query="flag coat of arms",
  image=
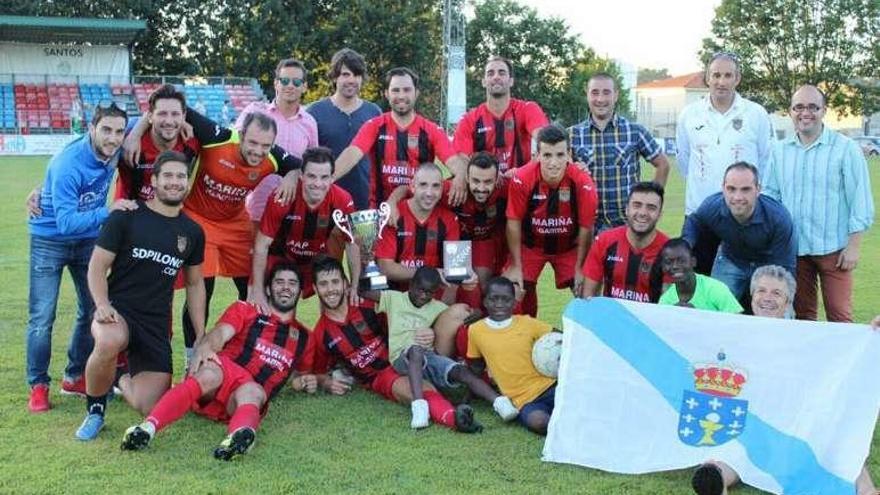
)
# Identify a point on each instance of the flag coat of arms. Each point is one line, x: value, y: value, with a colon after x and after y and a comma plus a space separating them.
x: 790, y: 405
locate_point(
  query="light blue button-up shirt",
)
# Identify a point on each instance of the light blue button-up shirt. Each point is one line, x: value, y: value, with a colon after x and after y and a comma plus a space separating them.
x: 825, y: 186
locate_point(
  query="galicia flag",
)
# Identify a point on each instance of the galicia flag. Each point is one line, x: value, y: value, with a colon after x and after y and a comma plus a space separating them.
x: 790, y: 405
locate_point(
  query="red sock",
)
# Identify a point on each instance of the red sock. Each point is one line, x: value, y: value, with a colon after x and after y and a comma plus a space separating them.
x: 440, y: 409
x: 245, y: 415
x: 175, y: 403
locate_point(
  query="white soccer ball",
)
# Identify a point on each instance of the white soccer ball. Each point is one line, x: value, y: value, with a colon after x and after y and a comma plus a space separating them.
x: 546, y: 353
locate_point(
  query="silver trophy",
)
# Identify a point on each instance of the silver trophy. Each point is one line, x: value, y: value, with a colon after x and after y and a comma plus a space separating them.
x: 365, y: 228
x: 456, y: 261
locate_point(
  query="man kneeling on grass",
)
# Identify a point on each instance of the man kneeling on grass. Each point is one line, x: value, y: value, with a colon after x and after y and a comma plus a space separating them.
x: 238, y: 367
x: 410, y: 338
x: 504, y: 341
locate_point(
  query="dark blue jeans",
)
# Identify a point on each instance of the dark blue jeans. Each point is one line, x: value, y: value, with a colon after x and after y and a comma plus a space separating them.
x: 48, y: 259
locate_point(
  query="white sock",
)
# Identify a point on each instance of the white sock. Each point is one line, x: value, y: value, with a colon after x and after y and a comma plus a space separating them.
x: 420, y: 414
x: 505, y: 408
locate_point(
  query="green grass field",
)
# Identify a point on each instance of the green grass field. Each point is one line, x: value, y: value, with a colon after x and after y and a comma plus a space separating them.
x: 308, y: 444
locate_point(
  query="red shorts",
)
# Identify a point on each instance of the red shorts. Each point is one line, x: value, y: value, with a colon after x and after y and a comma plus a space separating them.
x: 489, y: 253
x: 228, y: 245
x: 383, y: 383
x: 533, y: 261
x: 234, y: 376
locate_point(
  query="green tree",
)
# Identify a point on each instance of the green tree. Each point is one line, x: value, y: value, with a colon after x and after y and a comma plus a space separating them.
x: 551, y: 65
x: 786, y: 43
x: 647, y: 75
x: 156, y: 51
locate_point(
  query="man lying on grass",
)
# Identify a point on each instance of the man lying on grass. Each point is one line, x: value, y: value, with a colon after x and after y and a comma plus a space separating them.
x: 410, y: 338
x: 238, y: 367
x: 353, y: 337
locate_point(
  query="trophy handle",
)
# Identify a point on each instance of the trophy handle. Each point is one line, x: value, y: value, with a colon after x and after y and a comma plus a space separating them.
x: 384, y: 216
x: 339, y: 219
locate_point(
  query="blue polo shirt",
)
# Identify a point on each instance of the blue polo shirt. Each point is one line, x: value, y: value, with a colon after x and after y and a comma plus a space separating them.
x: 768, y: 238
x: 336, y: 129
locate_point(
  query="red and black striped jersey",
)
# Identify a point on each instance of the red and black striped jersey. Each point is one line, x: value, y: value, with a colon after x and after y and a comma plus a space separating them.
x: 300, y: 233
x: 626, y: 273
x: 133, y: 180
x: 508, y: 137
x: 396, y: 153
x: 551, y: 216
x: 270, y: 349
x: 480, y: 221
x: 359, y: 343
x: 413, y: 243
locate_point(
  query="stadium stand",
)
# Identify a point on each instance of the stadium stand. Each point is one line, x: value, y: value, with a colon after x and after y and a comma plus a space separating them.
x: 39, y: 108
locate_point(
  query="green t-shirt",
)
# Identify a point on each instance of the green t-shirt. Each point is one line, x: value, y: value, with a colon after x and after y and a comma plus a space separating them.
x: 711, y: 295
x: 404, y: 319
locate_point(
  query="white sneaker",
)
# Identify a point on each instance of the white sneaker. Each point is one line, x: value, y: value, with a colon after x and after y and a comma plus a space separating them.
x: 505, y: 408
x: 420, y: 416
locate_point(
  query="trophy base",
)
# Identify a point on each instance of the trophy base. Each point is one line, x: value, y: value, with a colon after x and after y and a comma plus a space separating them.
x: 456, y: 275
x: 374, y: 282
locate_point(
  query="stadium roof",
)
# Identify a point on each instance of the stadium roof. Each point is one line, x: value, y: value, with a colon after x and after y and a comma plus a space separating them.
x: 693, y: 80
x: 26, y: 29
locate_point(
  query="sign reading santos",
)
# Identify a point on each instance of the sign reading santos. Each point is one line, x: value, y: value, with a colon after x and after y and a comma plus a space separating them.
x: 106, y: 61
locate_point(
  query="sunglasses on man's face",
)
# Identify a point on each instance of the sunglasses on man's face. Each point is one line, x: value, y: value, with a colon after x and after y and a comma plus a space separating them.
x: 285, y: 81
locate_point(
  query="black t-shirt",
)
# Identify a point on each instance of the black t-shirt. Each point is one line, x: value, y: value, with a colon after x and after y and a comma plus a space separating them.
x: 150, y: 250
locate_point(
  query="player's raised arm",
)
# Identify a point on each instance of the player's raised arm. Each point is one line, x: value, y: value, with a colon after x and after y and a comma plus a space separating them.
x: 206, y: 130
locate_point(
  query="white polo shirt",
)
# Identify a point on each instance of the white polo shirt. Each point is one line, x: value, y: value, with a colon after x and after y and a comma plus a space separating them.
x: 709, y: 141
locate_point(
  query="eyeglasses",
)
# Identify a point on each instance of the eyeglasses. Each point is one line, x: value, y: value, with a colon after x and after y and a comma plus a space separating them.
x: 285, y: 81
x: 801, y: 108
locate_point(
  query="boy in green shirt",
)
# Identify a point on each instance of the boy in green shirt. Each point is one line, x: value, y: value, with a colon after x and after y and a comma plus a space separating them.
x: 410, y: 346
x: 690, y: 289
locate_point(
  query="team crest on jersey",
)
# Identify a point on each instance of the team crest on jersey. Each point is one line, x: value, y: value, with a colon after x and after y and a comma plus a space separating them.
x: 737, y: 124
x: 491, y: 211
x: 431, y: 235
x: 565, y: 194
x: 509, y: 124
x: 181, y: 243
x: 412, y: 141
x: 253, y: 175
x: 360, y: 326
x: 644, y: 267
x: 323, y: 222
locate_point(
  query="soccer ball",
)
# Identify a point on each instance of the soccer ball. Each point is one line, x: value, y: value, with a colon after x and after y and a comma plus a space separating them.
x: 546, y: 353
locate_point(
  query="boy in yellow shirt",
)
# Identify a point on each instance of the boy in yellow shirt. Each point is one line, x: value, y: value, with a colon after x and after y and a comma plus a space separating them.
x: 504, y: 341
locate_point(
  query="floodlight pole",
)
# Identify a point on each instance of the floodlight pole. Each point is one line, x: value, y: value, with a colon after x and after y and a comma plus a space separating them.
x: 453, y: 96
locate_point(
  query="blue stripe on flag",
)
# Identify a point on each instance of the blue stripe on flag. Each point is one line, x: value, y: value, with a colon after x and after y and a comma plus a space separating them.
x: 788, y: 459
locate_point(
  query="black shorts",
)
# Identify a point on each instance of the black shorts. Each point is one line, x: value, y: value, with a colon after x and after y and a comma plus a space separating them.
x: 149, y: 343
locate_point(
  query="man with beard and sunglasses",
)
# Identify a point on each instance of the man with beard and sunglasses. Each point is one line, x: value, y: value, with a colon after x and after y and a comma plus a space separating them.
x: 143, y: 249
x: 238, y: 368
x: 297, y: 129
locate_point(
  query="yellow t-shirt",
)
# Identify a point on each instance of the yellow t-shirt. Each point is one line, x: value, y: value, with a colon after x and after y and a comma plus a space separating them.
x: 508, y: 354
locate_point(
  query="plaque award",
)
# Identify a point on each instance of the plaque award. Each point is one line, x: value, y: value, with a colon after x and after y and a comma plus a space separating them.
x: 364, y: 229
x: 456, y: 261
